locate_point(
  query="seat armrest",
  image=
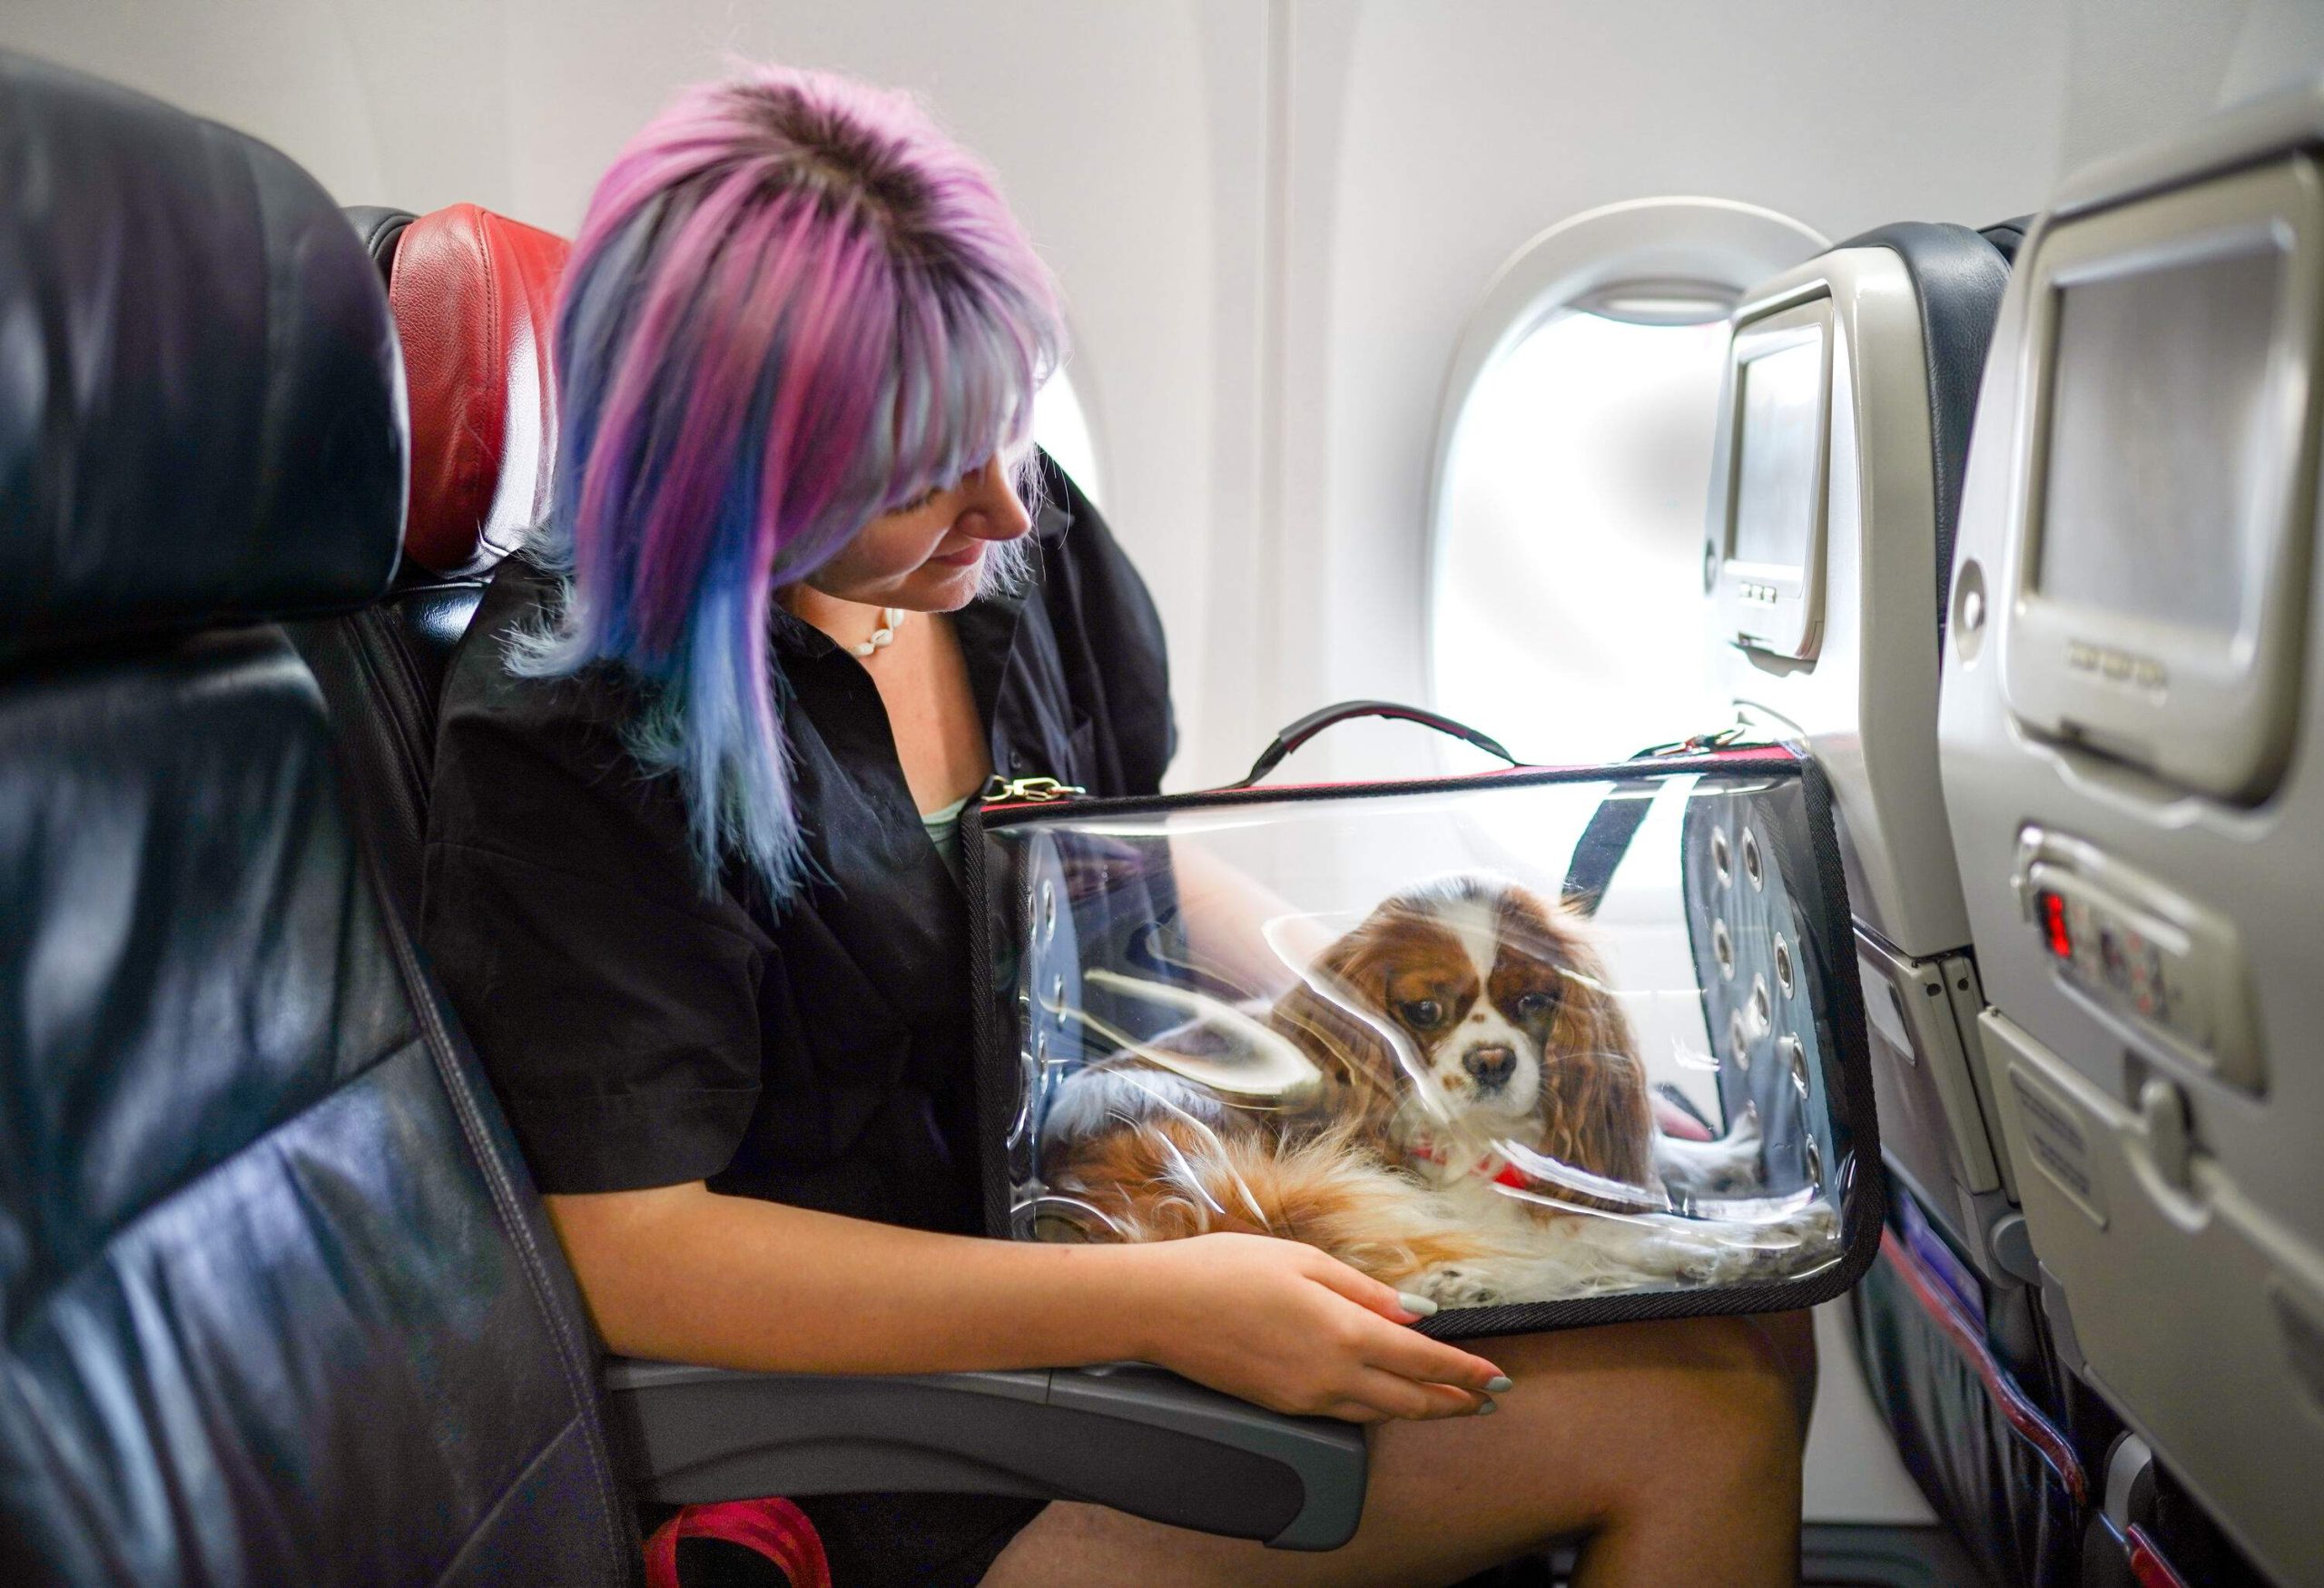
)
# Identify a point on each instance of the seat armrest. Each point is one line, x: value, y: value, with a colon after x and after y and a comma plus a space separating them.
x: 1134, y: 1437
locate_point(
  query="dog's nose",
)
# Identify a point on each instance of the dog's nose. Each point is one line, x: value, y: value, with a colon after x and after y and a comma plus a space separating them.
x: 1492, y: 1066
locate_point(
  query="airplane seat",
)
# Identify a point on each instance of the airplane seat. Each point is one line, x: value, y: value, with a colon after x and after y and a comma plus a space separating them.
x: 474, y: 296
x: 2131, y: 734
x: 279, y: 1303
x: 1957, y: 277
x: 2007, y: 236
x: 1838, y: 471
x: 380, y: 226
x: 279, y: 1306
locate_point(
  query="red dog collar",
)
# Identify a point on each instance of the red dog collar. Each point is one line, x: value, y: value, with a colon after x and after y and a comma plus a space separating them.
x: 1508, y: 1174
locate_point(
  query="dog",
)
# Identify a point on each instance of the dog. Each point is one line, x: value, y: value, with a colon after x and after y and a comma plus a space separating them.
x: 1477, y: 1126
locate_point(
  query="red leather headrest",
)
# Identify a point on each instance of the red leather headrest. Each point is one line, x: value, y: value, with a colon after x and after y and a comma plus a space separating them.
x: 474, y: 295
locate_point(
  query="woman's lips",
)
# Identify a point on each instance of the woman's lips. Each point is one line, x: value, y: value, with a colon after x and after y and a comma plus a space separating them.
x: 967, y: 556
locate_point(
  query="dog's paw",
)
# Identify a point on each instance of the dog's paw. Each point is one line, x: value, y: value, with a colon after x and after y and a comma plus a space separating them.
x: 1813, y: 1226
x: 1779, y: 1249
x: 1717, y: 1262
x: 1456, y: 1287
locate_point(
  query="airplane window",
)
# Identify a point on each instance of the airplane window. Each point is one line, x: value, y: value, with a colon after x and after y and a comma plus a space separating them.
x: 1568, y: 596
x: 1062, y: 428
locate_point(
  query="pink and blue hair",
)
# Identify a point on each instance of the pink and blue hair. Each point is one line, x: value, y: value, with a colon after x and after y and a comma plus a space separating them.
x: 794, y: 305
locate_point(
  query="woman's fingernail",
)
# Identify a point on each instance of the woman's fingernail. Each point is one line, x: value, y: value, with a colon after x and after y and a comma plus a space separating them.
x: 1488, y: 1409
x: 1499, y: 1384
x: 1419, y: 1305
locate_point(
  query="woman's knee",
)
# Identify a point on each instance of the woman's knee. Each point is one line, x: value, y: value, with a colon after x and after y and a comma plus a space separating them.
x: 1745, y: 1419
x: 1688, y: 1406
x: 1793, y: 1336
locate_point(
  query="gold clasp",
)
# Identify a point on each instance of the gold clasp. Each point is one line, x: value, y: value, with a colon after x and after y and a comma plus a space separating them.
x: 1036, y: 789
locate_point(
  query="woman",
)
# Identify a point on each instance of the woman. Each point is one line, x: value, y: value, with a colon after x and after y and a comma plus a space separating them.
x: 688, y: 880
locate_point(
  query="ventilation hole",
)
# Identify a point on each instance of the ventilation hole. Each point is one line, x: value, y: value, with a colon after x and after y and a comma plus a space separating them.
x: 1783, y: 965
x: 1722, y: 949
x: 1751, y: 858
x: 1722, y: 857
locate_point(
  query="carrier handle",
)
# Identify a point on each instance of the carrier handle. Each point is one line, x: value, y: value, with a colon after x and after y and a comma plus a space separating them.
x: 1316, y: 721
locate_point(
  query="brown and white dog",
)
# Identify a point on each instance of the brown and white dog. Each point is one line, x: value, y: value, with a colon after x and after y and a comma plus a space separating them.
x: 1465, y: 1018
x: 1480, y: 1126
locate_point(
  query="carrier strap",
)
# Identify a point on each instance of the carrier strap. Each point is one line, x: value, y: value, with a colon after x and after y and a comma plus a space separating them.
x: 1316, y: 721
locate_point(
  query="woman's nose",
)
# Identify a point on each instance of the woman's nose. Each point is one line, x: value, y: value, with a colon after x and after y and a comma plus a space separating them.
x: 991, y: 510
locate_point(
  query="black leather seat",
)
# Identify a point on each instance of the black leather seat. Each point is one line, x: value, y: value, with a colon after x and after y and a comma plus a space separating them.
x: 278, y: 1304
x: 472, y: 294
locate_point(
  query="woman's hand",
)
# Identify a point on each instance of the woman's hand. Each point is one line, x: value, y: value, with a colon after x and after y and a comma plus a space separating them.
x: 1285, y: 1325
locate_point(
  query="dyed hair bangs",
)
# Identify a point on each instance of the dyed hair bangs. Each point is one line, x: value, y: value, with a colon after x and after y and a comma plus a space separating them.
x: 794, y: 306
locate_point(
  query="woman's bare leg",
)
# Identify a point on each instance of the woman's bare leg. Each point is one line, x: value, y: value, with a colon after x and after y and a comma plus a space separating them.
x: 1675, y: 1447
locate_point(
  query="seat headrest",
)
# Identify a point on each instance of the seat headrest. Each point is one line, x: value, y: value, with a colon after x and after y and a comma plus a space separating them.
x: 2007, y: 236
x: 1959, y: 276
x: 475, y: 296
x: 202, y: 415
x: 380, y: 226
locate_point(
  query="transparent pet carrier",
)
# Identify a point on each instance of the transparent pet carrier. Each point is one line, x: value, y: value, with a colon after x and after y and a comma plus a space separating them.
x: 1548, y: 1046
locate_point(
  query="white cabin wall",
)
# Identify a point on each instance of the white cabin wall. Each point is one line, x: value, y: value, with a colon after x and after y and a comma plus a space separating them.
x: 1271, y: 217
x: 1128, y: 139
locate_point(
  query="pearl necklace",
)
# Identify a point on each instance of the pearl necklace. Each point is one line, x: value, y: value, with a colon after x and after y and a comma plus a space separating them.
x: 891, y: 619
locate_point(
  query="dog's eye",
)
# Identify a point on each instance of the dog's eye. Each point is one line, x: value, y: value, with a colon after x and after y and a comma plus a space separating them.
x: 1421, y: 1013
x: 1534, y: 1005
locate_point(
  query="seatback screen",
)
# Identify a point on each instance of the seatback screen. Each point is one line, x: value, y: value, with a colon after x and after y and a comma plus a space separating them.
x: 1780, y: 438
x: 2160, y: 439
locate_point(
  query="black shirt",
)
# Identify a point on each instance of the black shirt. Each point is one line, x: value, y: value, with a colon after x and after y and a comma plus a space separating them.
x: 641, y: 1031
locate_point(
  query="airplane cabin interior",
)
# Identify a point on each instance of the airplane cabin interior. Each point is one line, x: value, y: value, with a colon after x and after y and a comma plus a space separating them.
x: 641, y: 942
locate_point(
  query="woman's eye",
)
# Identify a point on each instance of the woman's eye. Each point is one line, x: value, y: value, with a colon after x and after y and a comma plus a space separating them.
x: 1421, y: 1013
x: 927, y: 498
x: 1533, y: 1005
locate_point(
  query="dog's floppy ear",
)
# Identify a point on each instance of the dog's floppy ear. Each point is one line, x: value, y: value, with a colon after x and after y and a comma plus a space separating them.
x: 1337, y: 1015
x: 1597, y: 1113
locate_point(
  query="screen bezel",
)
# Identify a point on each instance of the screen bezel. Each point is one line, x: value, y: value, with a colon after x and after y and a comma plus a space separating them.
x: 2175, y: 700
x: 1775, y: 608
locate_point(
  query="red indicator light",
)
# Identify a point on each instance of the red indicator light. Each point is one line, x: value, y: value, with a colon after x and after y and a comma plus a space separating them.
x: 2053, y: 923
